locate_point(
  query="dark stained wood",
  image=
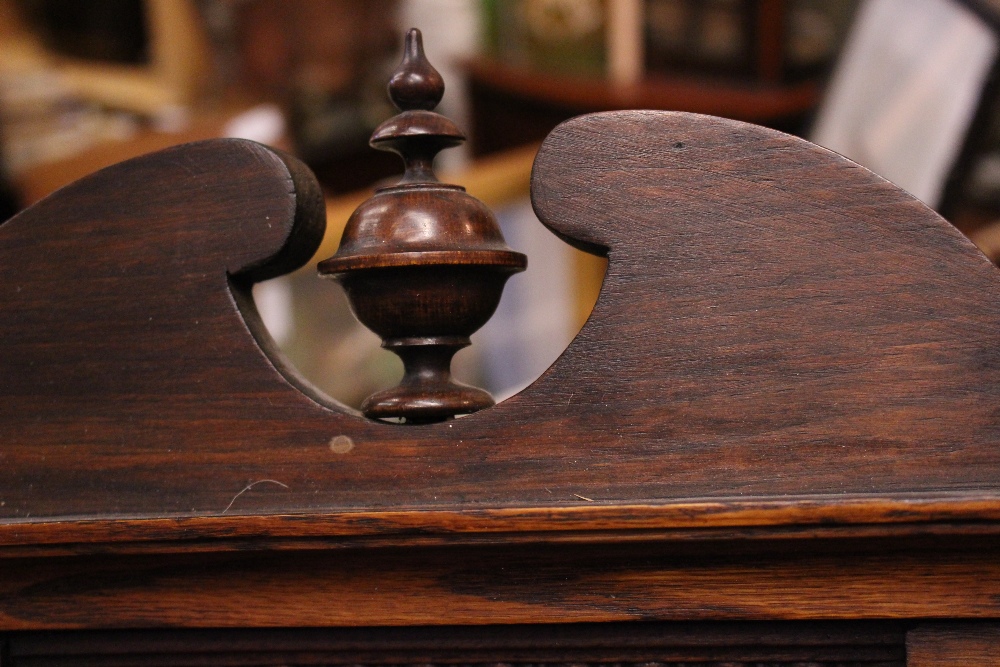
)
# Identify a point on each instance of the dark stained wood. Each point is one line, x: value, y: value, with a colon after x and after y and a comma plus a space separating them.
x: 773, y: 443
x: 868, y: 579
x: 423, y: 264
x: 761, y: 333
x: 938, y: 515
x: 512, y: 107
x: 582, y: 644
x: 954, y: 644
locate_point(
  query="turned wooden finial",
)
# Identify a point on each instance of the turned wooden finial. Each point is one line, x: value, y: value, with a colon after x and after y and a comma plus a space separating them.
x: 423, y: 263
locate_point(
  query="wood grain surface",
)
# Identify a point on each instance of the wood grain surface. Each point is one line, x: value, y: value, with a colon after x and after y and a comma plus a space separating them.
x: 867, y: 579
x: 776, y: 322
x: 793, y: 519
x: 628, y: 645
x: 954, y: 644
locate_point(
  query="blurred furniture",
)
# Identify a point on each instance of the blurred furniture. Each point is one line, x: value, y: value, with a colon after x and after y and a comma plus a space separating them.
x: 97, y: 83
x: 76, y: 77
x: 142, y: 55
x: 512, y: 105
x: 914, y: 95
x: 774, y: 442
x: 755, y: 60
x: 769, y: 40
x: 326, y: 62
x: 41, y: 180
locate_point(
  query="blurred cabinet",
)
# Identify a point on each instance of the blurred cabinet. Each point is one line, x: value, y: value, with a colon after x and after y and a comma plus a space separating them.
x: 512, y: 105
x: 760, y: 61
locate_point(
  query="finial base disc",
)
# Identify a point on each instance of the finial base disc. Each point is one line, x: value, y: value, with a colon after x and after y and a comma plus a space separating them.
x: 420, y: 404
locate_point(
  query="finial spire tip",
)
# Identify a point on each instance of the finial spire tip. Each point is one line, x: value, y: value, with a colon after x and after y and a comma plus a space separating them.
x: 415, y: 84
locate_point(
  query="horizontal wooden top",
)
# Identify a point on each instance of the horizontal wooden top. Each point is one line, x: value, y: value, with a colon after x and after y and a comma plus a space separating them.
x: 692, y: 521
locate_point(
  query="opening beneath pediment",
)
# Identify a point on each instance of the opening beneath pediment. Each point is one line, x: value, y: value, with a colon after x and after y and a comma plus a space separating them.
x: 540, y: 312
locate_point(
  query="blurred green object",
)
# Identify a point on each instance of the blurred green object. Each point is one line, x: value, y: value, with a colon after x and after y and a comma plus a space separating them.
x: 565, y: 36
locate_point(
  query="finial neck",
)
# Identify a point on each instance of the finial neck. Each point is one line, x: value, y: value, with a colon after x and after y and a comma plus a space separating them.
x: 416, y: 134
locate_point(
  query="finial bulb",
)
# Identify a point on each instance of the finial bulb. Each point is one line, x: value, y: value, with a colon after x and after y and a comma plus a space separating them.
x: 415, y: 84
x: 423, y: 262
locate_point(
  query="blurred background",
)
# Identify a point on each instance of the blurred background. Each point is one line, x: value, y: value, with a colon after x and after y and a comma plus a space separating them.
x: 907, y: 88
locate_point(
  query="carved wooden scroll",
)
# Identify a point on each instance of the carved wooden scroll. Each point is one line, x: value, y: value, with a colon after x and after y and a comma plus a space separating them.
x: 783, y: 408
x: 782, y: 337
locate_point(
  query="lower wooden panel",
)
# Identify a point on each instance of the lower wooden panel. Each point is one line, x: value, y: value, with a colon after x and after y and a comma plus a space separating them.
x: 954, y: 645
x: 608, y: 645
x: 484, y: 586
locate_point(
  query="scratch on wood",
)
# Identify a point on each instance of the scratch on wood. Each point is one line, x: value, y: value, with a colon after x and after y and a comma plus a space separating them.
x: 250, y: 486
x: 589, y: 500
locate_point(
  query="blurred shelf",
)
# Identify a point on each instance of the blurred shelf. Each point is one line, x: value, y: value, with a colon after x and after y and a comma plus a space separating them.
x: 513, y: 105
x: 717, y: 96
x: 39, y: 181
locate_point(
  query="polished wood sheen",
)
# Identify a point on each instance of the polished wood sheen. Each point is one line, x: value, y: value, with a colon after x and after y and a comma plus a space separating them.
x: 774, y: 442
